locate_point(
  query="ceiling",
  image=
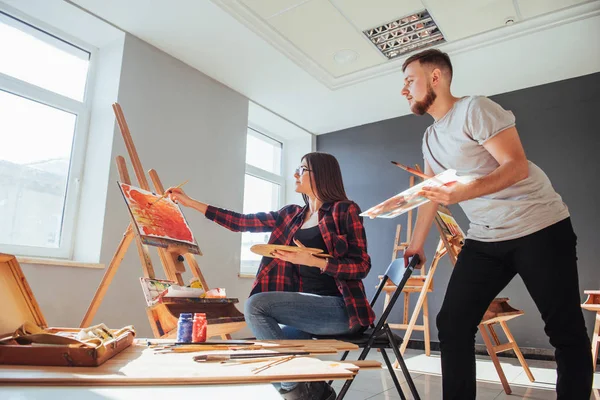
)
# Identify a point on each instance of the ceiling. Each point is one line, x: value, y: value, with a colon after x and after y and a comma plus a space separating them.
x: 281, y: 54
x: 314, y: 32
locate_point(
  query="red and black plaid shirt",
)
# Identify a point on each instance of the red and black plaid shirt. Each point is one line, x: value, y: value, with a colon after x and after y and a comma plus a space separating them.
x: 343, y: 234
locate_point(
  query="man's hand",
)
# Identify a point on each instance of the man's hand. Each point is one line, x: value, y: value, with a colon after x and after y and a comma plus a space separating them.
x: 409, y: 252
x: 450, y: 193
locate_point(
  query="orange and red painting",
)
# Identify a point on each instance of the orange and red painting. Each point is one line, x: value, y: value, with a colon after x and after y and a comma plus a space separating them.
x: 160, y: 219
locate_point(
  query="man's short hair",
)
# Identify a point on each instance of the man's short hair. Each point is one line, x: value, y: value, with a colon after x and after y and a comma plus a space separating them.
x: 432, y: 57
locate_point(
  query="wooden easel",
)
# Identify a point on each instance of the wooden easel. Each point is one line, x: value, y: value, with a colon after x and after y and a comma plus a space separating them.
x: 498, y: 312
x: 415, y: 283
x: 423, y: 284
x: 223, y: 318
x: 449, y: 244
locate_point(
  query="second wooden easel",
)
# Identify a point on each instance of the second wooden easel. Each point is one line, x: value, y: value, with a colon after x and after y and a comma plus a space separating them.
x: 222, y: 312
x: 422, y: 284
x: 449, y: 244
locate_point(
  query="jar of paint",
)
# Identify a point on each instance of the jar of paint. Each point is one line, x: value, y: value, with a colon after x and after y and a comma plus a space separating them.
x: 184, y: 328
x: 199, y: 329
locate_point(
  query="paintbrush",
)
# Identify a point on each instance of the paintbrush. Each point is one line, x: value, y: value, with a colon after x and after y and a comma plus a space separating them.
x: 411, y: 170
x: 271, y: 364
x: 238, y: 356
x: 194, y: 349
x: 207, y: 343
x: 165, y: 195
x: 247, y: 361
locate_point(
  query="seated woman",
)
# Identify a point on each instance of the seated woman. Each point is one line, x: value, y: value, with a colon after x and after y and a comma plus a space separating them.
x: 305, y: 294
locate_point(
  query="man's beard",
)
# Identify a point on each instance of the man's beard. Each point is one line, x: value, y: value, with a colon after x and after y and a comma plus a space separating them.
x: 421, y: 107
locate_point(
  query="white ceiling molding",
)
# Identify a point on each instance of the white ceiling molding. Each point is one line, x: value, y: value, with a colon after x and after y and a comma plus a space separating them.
x: 520, y: 28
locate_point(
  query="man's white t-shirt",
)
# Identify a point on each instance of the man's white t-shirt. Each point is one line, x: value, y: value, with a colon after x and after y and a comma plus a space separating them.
x: 456, y: 141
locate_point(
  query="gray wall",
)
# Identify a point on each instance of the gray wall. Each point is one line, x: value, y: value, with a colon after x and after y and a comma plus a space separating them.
x: 186, y: 126
x: 558, y: 126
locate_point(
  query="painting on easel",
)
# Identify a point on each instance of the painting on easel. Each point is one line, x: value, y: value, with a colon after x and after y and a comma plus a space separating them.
x: 158, y: 220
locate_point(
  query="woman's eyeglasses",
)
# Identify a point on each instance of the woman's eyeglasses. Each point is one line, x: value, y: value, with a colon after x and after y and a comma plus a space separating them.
x: 301, y: 169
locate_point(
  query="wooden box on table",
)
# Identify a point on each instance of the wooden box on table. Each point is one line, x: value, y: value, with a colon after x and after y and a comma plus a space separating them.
x: 19, y: 307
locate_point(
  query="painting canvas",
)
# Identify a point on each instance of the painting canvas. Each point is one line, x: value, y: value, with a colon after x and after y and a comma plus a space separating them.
x: 410, y: 198
x: 159, y: 221
x: 450, y: 225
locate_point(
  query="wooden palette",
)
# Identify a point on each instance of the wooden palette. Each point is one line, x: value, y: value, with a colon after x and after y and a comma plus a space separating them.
x: 266, y: 250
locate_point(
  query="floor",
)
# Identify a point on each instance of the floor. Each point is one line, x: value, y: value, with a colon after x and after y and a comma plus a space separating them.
x: 426, y: 373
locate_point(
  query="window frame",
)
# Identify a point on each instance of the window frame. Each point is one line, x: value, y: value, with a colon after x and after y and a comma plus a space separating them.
x: 268, y: 176
x: 82, y: 111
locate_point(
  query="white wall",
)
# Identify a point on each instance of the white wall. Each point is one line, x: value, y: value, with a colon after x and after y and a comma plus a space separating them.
x: 94, y: 184
x: 186, y: 126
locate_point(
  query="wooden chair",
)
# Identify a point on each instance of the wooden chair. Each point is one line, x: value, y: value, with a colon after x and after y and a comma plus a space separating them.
x: 499, y: 312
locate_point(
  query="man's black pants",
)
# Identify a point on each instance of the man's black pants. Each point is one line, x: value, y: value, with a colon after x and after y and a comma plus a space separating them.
x: 546, y: 261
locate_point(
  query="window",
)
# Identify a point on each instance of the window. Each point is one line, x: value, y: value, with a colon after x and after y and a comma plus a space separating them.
x: 44, y: 110
x: 263, y: 190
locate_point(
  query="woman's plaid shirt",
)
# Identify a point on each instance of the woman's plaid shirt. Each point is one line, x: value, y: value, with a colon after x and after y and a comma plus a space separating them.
x: 343, y: 234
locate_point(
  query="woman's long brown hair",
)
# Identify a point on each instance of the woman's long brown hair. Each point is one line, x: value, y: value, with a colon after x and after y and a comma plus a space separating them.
x: 327, y: 177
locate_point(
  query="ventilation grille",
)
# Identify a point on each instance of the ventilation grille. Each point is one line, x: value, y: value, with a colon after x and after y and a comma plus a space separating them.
x: 401, y: 36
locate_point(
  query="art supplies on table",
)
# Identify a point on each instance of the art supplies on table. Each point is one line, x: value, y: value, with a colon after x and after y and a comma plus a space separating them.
x: 154, y: 289
x: 162, y: 344
x: 99, y: 331
x: 191, y: 328
x: 410, y: 198
x: 184, y: 291
x: 196, y: 348
x: 273, y: 363
x: 199, y: 328
x: 184, y: 328
x: 215, y: 293
x: 158, y: 290
x: 223, y: 345
x: 195, y: 283
x: 244, y: 356
x: 29, y: 341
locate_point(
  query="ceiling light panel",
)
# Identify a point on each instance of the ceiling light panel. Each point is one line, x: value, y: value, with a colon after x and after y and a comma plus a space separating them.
x: 406, y: 34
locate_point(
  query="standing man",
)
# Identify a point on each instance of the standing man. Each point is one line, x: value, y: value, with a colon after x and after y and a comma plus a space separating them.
x: 518, y: 225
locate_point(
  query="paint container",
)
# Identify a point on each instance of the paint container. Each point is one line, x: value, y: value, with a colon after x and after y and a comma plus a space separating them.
x: 199, y: 330
x: 184, y: 328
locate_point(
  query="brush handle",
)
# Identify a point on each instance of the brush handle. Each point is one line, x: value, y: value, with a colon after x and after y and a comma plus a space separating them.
x: 225, y: 357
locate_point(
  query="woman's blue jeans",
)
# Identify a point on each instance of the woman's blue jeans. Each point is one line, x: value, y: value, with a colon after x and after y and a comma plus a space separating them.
x: 293, y: 315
